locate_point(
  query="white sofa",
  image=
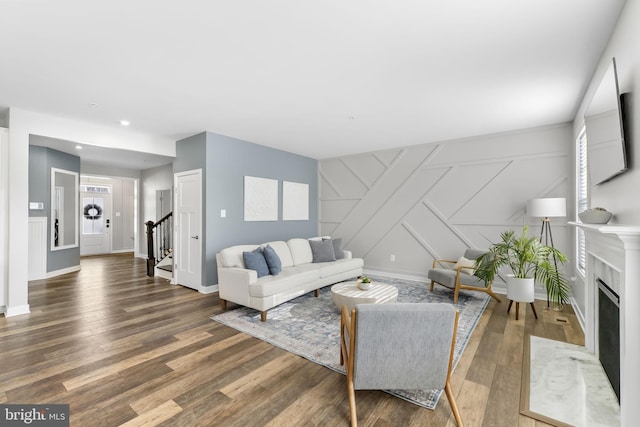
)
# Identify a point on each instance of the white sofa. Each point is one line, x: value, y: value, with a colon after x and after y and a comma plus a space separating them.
x: 299, y: 275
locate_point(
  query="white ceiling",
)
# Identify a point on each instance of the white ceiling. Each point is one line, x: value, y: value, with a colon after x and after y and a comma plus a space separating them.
x: 317, y: 78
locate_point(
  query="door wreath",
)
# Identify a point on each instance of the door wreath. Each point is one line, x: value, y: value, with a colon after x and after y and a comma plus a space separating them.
x: 92, y: 211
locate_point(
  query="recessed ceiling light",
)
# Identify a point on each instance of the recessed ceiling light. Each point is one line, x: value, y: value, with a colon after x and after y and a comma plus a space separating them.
x: 125, y: 122
x: 78, y: 147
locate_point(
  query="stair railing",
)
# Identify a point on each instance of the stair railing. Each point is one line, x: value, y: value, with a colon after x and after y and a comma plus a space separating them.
x: 161, y: 245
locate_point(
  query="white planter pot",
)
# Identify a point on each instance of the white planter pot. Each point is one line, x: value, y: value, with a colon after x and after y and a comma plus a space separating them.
x: 520, y: 290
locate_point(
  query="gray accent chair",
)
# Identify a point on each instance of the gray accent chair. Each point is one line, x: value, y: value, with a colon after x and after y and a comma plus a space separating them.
x: 398, y: 346
x: 443, y: 273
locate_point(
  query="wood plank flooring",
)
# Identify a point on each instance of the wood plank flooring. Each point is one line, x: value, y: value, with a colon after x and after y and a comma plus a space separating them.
x: 124, y: 349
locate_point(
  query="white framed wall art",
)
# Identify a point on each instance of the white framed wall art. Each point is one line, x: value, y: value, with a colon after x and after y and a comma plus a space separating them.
x: 260, y: 199
x: 295, y: 201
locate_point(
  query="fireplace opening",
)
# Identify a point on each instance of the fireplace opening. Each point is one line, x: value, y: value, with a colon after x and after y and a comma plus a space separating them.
x: 609, y: 333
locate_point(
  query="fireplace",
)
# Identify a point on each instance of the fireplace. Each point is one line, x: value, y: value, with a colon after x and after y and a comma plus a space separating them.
x: 609, y: 333
x: 613, y: 256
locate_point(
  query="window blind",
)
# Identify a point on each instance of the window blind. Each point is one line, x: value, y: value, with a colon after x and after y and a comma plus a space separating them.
x: 582, y: 195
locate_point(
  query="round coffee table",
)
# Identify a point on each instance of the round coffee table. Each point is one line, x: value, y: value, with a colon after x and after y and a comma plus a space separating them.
x: 349, y: 294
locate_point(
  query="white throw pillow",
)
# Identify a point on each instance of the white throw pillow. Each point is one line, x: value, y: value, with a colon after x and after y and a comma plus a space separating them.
x: 464, y: 262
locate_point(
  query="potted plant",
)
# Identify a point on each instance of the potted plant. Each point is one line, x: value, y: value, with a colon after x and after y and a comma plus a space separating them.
x: 529, y: 261
x: 364, y: 283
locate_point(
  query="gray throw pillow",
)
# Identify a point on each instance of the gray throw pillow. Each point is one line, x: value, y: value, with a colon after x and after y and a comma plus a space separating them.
x: 254, y: 260
x: 337, y: 247
x: 322, y: 251
x: 273, y: 260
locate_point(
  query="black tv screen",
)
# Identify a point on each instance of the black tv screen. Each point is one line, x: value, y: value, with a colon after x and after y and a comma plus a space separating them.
x: 606, y: 155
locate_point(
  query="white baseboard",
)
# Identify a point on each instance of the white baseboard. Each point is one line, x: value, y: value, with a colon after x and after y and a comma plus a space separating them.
x: 63, y: 271
x: 208, y: 289
x: 16, y: 311
x: 122, y: 251
x: 579, y: 313
x: 498, y: 288
x: 395, y: 275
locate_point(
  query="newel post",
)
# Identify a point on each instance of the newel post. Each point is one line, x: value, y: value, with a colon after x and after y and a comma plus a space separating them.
x: 151, y: 260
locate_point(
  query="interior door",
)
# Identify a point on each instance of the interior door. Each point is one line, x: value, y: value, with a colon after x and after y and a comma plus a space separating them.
x: 95, y: 219
x: 188, y: 212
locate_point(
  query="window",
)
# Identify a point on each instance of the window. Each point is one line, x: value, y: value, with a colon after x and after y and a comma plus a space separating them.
x: 582, y: 195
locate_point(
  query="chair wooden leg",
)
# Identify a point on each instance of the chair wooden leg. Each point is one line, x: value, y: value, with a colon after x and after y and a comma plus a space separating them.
x: 453, y: 405
x: 494, y: 296
x: 352, y: 404
x: 223, y: 304
x: 263, y: 316
x: 317, y: 293
x: 533, y: 307
x: 455, y: 295
x: 431, y: 287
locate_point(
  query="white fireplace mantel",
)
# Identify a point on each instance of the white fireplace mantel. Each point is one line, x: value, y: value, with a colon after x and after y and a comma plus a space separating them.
x: 617, y: 246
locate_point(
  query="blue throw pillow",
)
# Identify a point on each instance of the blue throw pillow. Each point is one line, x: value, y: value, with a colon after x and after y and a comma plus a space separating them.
x: 254, y: 260
x: 273, y: 260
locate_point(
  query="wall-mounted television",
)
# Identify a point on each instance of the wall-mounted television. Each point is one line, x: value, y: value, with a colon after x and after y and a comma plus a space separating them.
x: 606, y: 151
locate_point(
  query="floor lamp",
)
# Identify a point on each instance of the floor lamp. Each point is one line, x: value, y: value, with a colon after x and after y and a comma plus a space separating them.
x: 547, y: 208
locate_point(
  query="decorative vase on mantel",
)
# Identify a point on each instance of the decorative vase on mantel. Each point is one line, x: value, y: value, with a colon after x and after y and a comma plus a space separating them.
x: 595, y: 216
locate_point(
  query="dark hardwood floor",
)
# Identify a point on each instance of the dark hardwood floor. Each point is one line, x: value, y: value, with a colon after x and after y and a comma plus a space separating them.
x: 124, y: 349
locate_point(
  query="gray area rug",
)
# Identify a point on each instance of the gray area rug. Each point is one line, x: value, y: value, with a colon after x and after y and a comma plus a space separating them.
x: 310, y: 326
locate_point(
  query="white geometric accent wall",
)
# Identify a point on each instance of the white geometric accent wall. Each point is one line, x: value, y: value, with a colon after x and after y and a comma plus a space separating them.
x: 434, y: 200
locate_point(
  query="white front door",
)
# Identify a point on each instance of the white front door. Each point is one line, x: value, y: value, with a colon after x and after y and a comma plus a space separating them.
x: 188, y: 251
x: 95, y: 220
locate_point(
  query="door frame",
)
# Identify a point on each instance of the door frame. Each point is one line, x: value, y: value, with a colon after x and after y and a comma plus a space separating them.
x: 108, y: 213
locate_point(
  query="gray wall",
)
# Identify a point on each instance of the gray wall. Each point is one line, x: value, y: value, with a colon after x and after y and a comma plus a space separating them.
x: 620, y: 194
x: 225, y: 162
x: 88, y: 168
x: 434, y: 200
x: 39, y: 181
x: 615, y: 194
x: 41, y: 160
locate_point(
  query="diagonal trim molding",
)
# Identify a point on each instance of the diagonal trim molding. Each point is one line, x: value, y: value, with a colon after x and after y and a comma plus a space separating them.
x: 435, y: 200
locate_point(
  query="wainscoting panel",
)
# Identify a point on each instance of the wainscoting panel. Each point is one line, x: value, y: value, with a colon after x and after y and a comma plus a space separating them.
x: 37, y: 248
x: 434, y: 200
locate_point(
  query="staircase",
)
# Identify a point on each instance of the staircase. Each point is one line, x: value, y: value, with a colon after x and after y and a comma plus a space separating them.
x: 160, y: 247
x: 164, y: 268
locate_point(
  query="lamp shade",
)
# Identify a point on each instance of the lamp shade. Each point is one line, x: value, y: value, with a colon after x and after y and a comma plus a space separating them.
x: 554, y: 206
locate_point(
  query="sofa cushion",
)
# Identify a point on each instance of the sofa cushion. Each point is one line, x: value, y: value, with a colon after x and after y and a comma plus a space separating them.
x: 447, y: 277
x: 289, y: 279
x: 328, y: 269
x: 322, y: 250
x: 254, y: 260
x: 232, y: 257
x: 282, y: 249
x: 300, y: 251
x: 273, y: 260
